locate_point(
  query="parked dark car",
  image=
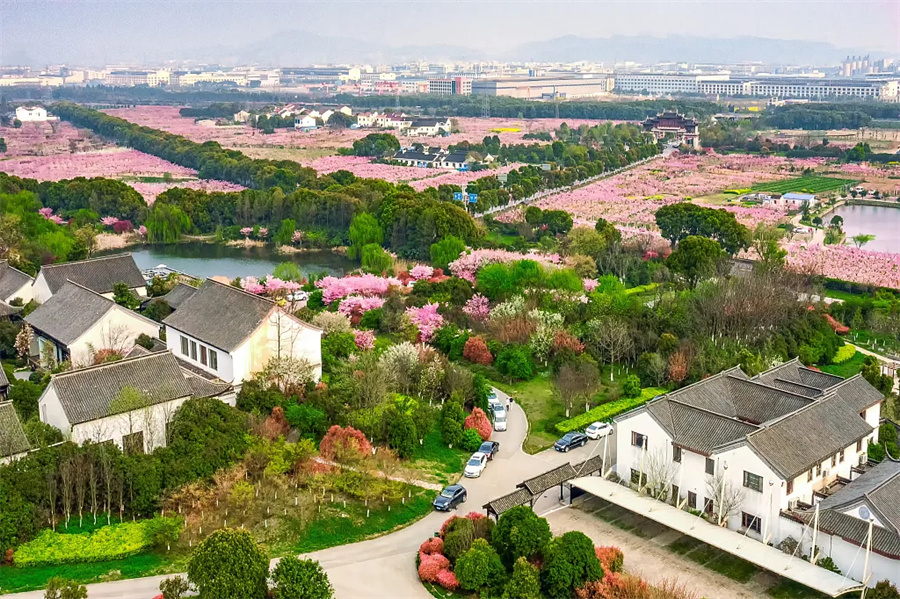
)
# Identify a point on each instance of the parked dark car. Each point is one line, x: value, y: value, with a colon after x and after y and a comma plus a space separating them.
x: 489, y: 448
x: 570, y: 441
x: 449, y: 498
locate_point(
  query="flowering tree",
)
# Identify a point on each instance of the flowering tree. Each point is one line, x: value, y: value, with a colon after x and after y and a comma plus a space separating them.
x: 109, y: 221
x: 426, y: 319
x: 477, y: 352
x: 263, y: 232
x: 478, y: 421
x: 467, y: 265
x: 246, y: 231
x: 478, y: 307
x: 334, y: 288
x: 590, y: 284
x: 365, y: 340
x: 23, y: 341
x: 432, y: 564
x: 252, y: 285
x: 421, y: 271
x: 344, y: 444
x: 356, y: 305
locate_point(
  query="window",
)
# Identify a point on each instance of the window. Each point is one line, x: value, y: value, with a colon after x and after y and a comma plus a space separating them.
x: 818, y: 470
x: 710, y: 466
x: 184, y: 346
x: 708, y: 506
x: 193, y: 350
x: 753, y: 481
x: 676, y: 453
x: 203, y: 355
x: 213, y: 359
x: 692, y: 500
x: 637, y: 478
x: 841, y: 457
x: 809, y: 476
x: 751, y: 522
x: 859, y: 446
x: 676, y: 492
x: 133, y: 443
x: 639, y: 440
x: 834, y: 460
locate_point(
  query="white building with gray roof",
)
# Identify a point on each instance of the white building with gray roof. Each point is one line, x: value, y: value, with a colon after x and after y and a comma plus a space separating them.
x: 743, y: 449
x: 92, y: 404
x: 99, y: 275
x: 13, y: 442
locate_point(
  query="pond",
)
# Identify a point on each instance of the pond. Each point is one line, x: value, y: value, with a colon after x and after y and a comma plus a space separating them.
x: 204, y: 260
x: 881, y: 221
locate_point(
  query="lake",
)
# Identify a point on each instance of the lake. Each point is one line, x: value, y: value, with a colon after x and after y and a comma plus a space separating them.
x: 204, y: 260
x: 881, y: 221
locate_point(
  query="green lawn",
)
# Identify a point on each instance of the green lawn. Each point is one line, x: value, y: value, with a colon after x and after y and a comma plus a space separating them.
x: 847, y: 368
x: 805, y: 184
x: 788, y: 589
x: 542, y: 409
x: 14, y: 580
x: 715, y: 559
x: 437, y: 462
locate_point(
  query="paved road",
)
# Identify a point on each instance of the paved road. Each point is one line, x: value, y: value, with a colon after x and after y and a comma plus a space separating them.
x: 384, y: 566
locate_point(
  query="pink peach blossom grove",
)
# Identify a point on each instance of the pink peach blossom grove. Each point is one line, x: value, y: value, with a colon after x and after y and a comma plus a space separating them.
x: 426, y: 319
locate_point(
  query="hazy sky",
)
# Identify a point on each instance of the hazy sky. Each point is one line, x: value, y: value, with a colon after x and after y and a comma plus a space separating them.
x: 151, y: 29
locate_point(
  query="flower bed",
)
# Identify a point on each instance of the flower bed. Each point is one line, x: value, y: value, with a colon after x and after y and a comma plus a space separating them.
x: 116, y: 541
x: 608, y: 410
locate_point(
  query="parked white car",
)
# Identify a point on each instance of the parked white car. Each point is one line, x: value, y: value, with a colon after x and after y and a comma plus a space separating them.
x: 475, y: 465
x: 598, y: 430
x: 499, y: 418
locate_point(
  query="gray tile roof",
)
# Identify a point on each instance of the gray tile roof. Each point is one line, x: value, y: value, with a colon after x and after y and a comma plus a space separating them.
x: 697, y: 429
x: 11, y: 279
x: 220, y: 315
x: 856, y: 393
x: 878, y: 487
x: 7, y: 310
x: 87, y: 393
x: 69, y: 313
x: 540, y: 483
x: 178, y: 294
x: 884, y: 540
x: 520, y: 496
x: 97, y: 274
x: 12, y: 437
x: 589, y: 466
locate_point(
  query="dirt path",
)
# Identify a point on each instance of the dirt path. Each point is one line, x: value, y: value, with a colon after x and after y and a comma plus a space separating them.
x: 650, y: 560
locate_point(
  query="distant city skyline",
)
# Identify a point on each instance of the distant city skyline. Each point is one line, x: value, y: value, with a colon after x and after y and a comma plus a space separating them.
x: 101, y: 31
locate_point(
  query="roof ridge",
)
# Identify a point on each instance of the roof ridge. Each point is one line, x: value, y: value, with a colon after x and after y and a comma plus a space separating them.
x: 771, y: 388
x: 708, y: 411
x: 98, y: 258
x: 798, y: 384
x: 94, y: 367
x: 834, y: 376
x: 244, y: 291
x: 89, y: 290
x: 702, y: 381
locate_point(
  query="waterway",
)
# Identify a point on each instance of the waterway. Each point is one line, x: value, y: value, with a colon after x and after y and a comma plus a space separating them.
x: 881, y: 221
x: 204, y: 260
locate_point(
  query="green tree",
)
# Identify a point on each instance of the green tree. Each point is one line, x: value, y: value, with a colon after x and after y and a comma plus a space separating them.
x: 402, y: 435
x: 525, y: 582
x: 695, y: 258
x: 458, y: 538
x: 883, y: 590
x: 862, y: 239
x: 608, y: 230
x: 288, y: 271
x: 24, y: 396
x: 63, y: 588
x: 632, y: 386
x: 166, y: 223
x: 446, y: 251
x: 175, y: 587
x: 767, y: 243
x: 515, y: 362
x: 375, y: 144
x: 678, y: 221
x: 285, y: 234
x: 520, y: 533
x: 228, y: 564
x: 585, y: 241
x: 569, y: 562
x: 364, y: 230
x: 452, y: 418
x: 294, y: 578
x: 124, y: 296
x: 375, y: 259
x: 479, y: 568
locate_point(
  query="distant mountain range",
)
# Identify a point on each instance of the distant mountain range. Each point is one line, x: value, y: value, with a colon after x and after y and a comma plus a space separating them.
x: 297, y: 48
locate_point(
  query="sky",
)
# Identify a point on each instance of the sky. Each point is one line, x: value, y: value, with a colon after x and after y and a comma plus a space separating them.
x: 147, y: 30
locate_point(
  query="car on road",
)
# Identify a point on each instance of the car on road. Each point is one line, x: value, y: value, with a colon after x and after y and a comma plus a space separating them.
x: 475, y: 465
x: 449, y: 498
x: 489, y: 448
x: 570, y: 441
x: 598, y: 430
x: 494, y: 402
x: 500, y: 419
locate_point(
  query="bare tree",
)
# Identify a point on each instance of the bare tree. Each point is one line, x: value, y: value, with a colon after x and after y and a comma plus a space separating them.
x: 93, y: 476
x: 67, y: 470
x: 108, y: 470
x: 81, y: 465
x: 613, y: 337
x: 659, y: 470
x: 51, y: 478
x: 577, y: 381
x: 726, y: 497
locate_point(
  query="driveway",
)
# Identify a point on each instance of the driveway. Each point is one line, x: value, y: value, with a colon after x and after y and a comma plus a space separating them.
x: 384, y: 566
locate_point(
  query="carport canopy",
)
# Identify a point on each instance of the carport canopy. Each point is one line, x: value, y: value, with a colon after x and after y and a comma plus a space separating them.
x: 732, y: 542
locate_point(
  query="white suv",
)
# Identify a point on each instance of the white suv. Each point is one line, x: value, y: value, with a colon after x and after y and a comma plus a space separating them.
x: 499, y: 418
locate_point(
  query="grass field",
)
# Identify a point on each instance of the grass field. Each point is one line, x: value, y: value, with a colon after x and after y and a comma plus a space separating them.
x: 847, y: 368
x: 541, y: 408
x: 805, y: 184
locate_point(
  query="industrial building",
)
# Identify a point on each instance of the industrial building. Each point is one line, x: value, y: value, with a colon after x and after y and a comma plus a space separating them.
x: 536, y: 88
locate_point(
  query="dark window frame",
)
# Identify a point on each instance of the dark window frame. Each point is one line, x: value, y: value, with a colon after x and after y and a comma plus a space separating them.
x: 710, y: 466
x: 753, y: 481
x: 751, y: 522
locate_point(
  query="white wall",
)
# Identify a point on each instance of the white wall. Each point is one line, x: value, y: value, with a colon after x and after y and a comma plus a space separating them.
x: 118, y: 323
x: 151, y: 421
x: 40, y: 289
x: 51, y: 411
x: 629, y: 456
x: 225, y: 366
x: 24, y: 293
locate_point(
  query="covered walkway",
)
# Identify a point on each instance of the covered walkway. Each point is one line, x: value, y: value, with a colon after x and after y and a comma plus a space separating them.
x: 753, y: 551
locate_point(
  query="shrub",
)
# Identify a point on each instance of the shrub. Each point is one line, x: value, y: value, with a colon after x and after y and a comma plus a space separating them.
x: 478, y: 420
x: 631, y: 388
x: 402, y: 435
x: 308, y: 421
x: 884, y: 590
x: 63, y: 588
x: 844, y: 353
x: 458, y: 538
x: 611, y: 558
x: 344, y: 443
x: 608, y: 410
x: 432, y: 545
x: 447, y: 579
x: 515, y: 362
x: 174, y: 588
x: 228, y: 564
x: 525, y: 582
x: 116, y: 541
x: 432, y: 565
x: 479, y: 567
x: 484, y: 526
x: 569, y: 562
x: 477, y: 352
x: 520, y: 533
x: 371, y: 319
x: 452, y: 418
x: 294, y: 578
x: 471, y: 440
x: 875, y: 452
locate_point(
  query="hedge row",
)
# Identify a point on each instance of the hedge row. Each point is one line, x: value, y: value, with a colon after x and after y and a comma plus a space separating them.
x: 116, y: 541
x: 843, y: 354
x: 608, y: 410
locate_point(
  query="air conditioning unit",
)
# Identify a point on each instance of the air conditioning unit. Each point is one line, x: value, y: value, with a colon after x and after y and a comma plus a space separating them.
x: 863, y: 458
x: 792, y: 504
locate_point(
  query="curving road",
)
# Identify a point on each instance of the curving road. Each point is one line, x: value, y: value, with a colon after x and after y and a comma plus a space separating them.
x: 384, y: 567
